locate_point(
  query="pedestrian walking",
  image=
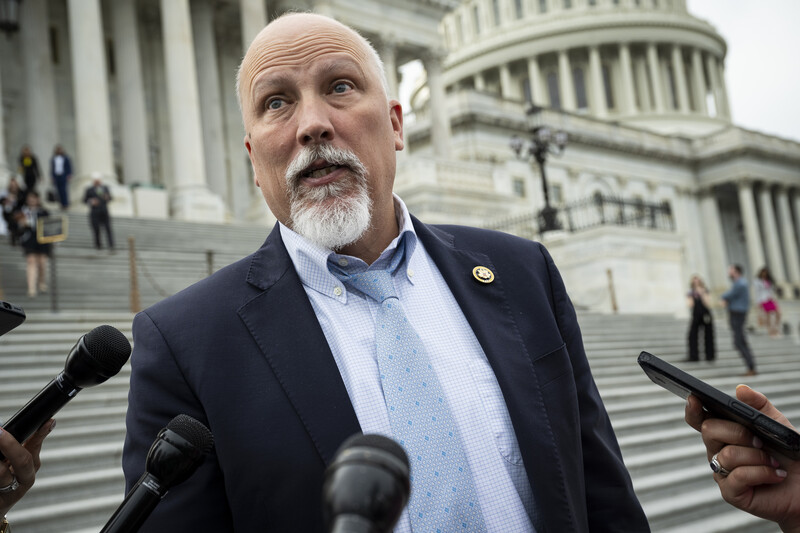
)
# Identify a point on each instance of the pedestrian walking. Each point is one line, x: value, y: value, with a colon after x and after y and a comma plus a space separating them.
x: 769, y: 312
x: 737, y: 300
x: 29, y: 168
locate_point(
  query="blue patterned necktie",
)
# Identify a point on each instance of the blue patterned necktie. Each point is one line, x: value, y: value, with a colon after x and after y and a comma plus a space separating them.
x: 443, y: 496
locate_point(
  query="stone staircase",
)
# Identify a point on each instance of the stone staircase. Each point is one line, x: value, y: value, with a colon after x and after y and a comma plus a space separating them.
x: 80, y: 483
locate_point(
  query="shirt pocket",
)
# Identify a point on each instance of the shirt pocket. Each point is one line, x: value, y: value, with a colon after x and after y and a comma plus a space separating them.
x: 494, y: 406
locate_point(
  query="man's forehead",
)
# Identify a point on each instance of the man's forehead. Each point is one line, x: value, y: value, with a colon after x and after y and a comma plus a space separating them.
x: 297, y: 41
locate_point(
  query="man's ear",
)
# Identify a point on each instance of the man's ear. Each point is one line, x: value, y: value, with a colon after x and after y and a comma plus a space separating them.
x: 396, y: 116
x: 250, y: 155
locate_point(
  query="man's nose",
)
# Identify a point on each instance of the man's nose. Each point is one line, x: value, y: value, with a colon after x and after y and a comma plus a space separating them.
x: 314, y: 125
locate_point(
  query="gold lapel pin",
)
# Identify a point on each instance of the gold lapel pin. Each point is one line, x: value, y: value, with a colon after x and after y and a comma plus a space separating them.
x: 483, y: 274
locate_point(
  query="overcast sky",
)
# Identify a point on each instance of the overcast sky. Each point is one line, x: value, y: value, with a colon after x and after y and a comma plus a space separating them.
x: 762, y: 66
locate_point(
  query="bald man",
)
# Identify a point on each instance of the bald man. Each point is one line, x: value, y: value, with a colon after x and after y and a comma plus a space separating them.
x: 281, y: 354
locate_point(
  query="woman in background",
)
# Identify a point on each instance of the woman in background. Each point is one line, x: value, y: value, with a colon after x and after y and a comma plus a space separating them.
x: 36, y: 253
x: 699, y: 303
x: 767, y: 302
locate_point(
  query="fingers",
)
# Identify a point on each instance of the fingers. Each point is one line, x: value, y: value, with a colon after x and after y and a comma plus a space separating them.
x: 693, y: 413
x: 718, y: 433
x: 22, y: 461
x: 758, y: 401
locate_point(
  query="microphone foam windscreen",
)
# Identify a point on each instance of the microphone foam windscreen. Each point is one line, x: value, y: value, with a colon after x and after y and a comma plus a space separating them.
x: 108, y: 347
x: 193, y: 431
x: 380, y: 442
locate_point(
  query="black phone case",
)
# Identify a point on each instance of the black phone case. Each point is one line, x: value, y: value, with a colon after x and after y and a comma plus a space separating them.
x: 11, y: 316
x: 776, y: 436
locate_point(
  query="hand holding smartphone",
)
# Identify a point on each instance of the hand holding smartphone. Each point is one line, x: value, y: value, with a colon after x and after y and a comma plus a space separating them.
x: 776, y: 437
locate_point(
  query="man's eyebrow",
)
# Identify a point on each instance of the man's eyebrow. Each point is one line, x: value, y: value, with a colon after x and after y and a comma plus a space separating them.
x: 338, y: 65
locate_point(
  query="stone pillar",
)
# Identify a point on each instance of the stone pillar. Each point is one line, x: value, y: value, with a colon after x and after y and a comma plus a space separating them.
x: 5, y: 168
x: 687, y: 220
x: 699, y: 85
x: 565, y: 81
x: 596, y: 85
x: 796, y: 201
x: 437, y: 106
x: 713, y: 80
x: 189, y: 199
x: 640, y: 69
x: 628, y: 96
x: 679, y: 74
x: 480, y: 82
x: 654, y: 68
x: 90, y: 87
x: 253, y: 18
x: 771, y: 236
x: 210, y: 98
x: 714, y: 240
x: 789, y: 237
x: 506, y: 90
x: 752, y: 234
x: 130, y: 88
x: 538, y: 94
x: 39, y: 92
x: 723, y: 91
x: 389, y: 58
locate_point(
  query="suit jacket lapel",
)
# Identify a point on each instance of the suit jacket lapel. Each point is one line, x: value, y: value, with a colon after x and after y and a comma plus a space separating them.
x: 283, y: 324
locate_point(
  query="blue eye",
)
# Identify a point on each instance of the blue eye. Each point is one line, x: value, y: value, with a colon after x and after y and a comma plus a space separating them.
x: 341, y: 87
x: 275, y: 103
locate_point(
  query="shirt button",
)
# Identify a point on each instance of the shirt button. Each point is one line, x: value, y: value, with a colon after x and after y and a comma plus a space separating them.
x: 410, y: 273
x: 342, y: 262
x: 337, y: 291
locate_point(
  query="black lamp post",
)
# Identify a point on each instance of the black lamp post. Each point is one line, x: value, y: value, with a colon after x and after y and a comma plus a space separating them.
x: 9, y: 16
x: 543, y: 141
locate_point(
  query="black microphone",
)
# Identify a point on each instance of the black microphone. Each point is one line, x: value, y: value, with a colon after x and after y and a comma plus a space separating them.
x: 97, y: 356
x: 176, y: 453
x: 366, y: 486
x: 11, y: 316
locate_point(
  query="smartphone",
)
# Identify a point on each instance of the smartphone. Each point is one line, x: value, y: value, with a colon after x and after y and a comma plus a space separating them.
x: 776, y: 437
x: 11, y: 316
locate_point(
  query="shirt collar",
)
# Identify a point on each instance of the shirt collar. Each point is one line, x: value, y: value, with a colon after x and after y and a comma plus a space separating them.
x: 311, y: 260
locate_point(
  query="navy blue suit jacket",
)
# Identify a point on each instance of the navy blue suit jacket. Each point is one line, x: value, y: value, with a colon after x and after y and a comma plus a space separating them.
x: 242, y: 352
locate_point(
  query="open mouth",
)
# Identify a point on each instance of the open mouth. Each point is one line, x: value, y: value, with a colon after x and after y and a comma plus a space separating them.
x: 314, y: 172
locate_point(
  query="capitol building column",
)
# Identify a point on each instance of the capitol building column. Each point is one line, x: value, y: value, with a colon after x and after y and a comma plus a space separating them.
x: 640, y: 70
x: 628, y: 92
x: 655, y: 78
x: 535, y: 82
x: 132, y: 115
x: 565, y: 81
x: 723, y: 90
x: 437, y: 106
x: 752, y: 234
x: 713, y: 81
x: 40, y: 93
x: 714, y: 239
x: 5, y: 168
x: 90, y: 88
x: 506, y: 90
x: 388, y: 53
x: 210, y: 98
x: 771, y: 237
x: 699, y: 85
x: 253, y: 17
x: 190, y: 199
x: 789, y: 237
x: 679, y: 76
x: 596, y: 84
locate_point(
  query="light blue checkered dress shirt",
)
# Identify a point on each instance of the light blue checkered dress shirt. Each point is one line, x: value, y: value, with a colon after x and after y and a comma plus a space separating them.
x: 348, y: 322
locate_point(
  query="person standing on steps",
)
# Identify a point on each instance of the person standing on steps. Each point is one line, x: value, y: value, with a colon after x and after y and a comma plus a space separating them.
x: 700, y: 305
x: 97, y: 197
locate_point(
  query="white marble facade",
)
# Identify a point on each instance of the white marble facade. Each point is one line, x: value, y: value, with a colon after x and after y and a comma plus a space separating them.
x: 142, y: 92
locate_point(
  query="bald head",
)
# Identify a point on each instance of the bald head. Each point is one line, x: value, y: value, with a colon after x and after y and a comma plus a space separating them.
x: 282, y: 41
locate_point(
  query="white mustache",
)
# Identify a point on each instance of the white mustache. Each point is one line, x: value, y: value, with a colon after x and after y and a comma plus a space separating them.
x: 326, y: 152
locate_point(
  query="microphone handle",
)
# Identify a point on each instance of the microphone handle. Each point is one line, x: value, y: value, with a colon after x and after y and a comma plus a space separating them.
x: 353, y: 523
x: 41, y: 408
x: 136, y: 507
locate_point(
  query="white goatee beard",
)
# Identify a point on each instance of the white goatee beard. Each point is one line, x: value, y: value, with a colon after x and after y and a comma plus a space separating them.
x: 335, y: 215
